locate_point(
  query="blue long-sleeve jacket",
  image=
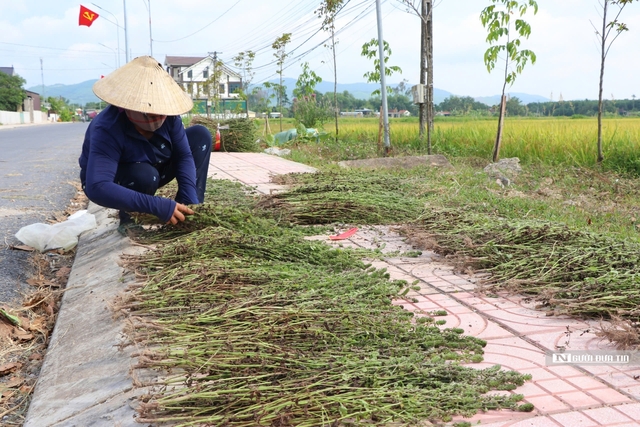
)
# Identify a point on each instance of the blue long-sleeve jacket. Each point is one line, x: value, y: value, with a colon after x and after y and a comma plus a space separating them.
x: 110, y: 140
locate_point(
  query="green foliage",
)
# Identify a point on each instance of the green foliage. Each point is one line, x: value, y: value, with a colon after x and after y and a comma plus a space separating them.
x: 499, y: 23
x: 310, y: 112
x: 461, y: 105
x: 370, y: 50
x: 307, y: 82
x: 11, y: 92
x: 244, y: 61
x: 240, y: 137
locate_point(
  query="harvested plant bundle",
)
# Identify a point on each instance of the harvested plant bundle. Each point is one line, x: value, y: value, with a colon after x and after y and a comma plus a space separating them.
x: 239, y: 137
x: 574, y: 272
x: 256, y: 326
x: 346, y: 197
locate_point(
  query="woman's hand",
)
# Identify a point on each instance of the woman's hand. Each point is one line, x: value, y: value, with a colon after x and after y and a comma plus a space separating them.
x: 179, y: 214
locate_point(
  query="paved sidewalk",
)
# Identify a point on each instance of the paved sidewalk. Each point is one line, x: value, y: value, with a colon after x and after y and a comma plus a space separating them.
x: 85, y: 379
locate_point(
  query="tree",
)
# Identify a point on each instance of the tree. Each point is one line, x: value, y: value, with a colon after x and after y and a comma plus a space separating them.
x: 307, y: 108
x: 11, y: 92
x: 307, y: 82
x: 328, y: 11
x: 370, y: 50
x: 279, y: 46
x: 244, y: 61
x: 425, y: 13
x: 501, y: 23
x: 606, y: 36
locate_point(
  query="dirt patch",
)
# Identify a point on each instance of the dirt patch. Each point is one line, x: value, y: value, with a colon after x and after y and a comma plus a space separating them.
x: 25, y: 330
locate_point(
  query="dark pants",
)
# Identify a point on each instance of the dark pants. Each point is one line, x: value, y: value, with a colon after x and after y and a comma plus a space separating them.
x: 147, y: 178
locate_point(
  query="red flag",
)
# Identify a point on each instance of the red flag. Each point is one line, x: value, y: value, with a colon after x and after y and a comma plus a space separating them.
x: 87, y: 16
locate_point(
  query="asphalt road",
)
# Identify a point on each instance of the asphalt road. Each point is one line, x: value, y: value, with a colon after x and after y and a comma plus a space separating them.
x: 38, y: 166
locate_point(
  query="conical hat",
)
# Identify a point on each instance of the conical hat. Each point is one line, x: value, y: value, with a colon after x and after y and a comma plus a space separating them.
x: 143, y: 85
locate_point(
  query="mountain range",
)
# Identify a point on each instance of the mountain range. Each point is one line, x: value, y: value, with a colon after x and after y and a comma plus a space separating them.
x: 81, y: 93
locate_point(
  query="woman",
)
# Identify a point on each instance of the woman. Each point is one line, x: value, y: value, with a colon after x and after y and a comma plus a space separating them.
x: 138, y: 144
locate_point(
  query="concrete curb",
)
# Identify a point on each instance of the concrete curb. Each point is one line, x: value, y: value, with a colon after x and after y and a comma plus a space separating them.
x: 84, y: 379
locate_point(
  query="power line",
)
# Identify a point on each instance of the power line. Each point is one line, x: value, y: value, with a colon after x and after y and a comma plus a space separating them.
x: 206, y: 26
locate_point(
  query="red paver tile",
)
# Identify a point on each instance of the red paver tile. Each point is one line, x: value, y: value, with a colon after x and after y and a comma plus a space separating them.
x: 428, y: 306
x: 565, y: 371
x: 539, y: 421
x: 529, y: 389
x: 633, y: 391
x: 585, y: 383
x: 495, y: 418
x: 607, y: 416
x: 458, y: 309
x: 539, y: 373
x: 547, y: 404
x: 579, y: 400
x: 493, y: 331
x: 609, y: 396
x: 556, y: 386
x: 574, y: 419
x: 632, y: 410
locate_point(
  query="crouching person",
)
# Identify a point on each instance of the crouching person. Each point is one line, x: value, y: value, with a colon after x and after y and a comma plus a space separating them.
x: 139, y: 144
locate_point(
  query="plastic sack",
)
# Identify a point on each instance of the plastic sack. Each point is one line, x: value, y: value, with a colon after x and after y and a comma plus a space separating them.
x: 44, y: 237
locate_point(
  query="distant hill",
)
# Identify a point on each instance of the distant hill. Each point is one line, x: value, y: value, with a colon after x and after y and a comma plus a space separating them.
x: 358, y: 90
x: 79, y: 93
x: 524, y: 98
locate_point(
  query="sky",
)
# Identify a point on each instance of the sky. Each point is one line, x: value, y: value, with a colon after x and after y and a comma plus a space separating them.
x: 42, y: 40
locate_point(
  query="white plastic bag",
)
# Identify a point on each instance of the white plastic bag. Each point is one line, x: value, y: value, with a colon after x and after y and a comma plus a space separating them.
x: 44, y: 237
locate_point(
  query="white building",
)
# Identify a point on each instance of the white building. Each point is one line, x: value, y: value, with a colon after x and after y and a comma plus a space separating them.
x: 194, y: 74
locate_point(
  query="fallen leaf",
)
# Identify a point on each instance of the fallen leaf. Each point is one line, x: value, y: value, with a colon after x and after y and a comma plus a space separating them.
x: 7, y: 368
x: 23, y: 336
x: 25, y: 248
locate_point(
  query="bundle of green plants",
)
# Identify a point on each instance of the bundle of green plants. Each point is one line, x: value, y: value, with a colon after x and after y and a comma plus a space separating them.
x: 237, y: 135
x: 568, y: 270
x: 343, y: 196
x: 254, y: 325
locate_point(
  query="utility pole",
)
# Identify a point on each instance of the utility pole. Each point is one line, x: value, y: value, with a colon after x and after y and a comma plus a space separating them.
x: 42, y: 76
x: 385, y: 108
x: 126, y: 34
x: 429, y: 42
x: 423, y: 65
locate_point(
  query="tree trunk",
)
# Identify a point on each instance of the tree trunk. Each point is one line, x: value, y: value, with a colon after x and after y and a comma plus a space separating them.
x: 603, y: 55
x: 429, y: 73
x: 423, y: 66
x: 496, y: 147
x: 335, y: 79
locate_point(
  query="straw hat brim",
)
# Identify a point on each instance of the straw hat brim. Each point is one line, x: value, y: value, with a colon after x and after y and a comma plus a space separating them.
x: 143, y: 85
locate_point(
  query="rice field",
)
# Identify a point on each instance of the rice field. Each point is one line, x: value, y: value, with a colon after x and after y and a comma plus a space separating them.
x: 553, y: 141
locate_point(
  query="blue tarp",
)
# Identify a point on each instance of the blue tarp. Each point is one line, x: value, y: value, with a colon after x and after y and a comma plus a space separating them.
x: 289, y: 134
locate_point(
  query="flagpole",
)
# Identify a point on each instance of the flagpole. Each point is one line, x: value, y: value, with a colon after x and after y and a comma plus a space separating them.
x: 117, y: 29
x: 150, y: 38
x: 126, y: 34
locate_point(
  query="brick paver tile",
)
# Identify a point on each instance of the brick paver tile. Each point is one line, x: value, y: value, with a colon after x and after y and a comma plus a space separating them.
x: 585, y: 383
x: 566, y: 371
x: 579, y: 400
x: 529, y: 389
x: 632, y: 410
x: 539, y: 373
x: 574, y: 419
x: 539, y: 421
x: 607, y: 416
x: 556, y: 386
x: 493, y: 331
x: 547, y: 404
x: 609, y: 396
